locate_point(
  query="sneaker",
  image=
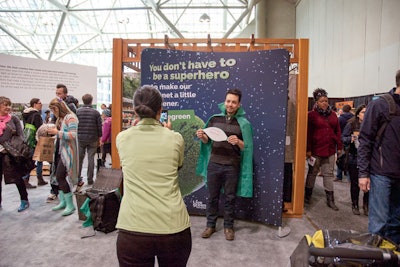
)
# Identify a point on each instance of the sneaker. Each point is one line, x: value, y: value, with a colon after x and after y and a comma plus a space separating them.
x: 79, y: 186
x: 51, y: 198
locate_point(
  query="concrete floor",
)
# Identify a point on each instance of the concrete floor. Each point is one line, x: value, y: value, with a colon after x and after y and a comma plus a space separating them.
x: 41, y: 237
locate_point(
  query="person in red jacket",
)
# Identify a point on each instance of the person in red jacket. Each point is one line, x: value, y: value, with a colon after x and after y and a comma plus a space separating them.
x: 323, y: 140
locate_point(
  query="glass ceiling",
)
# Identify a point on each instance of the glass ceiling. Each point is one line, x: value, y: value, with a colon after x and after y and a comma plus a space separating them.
x: 82, y: 31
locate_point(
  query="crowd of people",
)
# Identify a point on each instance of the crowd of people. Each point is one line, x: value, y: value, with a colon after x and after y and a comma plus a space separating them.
x: 153, y: 220
x: 72, y: 139
x: 370, y: 139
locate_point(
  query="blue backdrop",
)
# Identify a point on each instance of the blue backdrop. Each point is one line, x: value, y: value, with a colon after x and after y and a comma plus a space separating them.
x: 194, y: 83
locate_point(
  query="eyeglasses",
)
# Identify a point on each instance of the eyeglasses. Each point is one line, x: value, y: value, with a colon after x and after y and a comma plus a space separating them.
x: 39, y: 103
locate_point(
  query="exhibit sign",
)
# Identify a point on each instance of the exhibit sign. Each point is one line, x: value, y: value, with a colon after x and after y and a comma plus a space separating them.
x: 194, y: 83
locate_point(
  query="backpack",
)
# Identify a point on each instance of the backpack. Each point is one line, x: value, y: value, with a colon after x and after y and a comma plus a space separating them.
x: 30, y: 133
x: 392, y: 113
x: 104, y: 209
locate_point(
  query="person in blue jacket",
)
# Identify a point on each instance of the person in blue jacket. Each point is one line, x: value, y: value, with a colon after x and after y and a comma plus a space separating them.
x: 227, y: 165
x: 379, y: 165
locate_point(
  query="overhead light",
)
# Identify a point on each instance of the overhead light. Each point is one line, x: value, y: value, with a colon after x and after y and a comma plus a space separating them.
x: 205, y: 18
x: 124, y: 21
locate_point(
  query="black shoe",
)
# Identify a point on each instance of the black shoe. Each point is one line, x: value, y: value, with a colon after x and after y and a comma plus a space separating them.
x: 90, y: 182
x: 29, y: 186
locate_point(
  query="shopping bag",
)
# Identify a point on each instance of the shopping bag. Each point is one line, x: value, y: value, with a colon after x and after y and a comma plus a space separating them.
x: 44, y: 149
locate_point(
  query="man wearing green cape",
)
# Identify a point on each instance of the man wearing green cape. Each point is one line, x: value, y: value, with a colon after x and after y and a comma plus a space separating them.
x: 227, y: 166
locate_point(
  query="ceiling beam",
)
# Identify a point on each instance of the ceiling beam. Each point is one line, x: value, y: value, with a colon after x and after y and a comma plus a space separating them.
x: 244, y: 14
x: 158, y: 12
x: 20, y: 42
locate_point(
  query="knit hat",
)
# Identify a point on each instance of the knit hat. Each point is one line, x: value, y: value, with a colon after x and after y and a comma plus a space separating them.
x: 107, y: 113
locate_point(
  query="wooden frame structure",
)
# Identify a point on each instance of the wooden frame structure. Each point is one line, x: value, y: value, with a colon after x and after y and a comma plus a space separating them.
x: 127, y: 53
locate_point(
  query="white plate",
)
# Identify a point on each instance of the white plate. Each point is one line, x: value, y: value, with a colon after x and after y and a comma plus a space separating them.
x: 215, y: 134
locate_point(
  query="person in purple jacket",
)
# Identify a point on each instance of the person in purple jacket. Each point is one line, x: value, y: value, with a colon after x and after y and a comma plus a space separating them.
x: 105, y: 140
x: 379, y: 165
x: 323, y: 140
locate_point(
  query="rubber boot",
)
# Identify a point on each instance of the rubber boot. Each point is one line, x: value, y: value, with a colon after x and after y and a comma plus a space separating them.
x: 62, y: 203
x: 330, y: 200
x: 307, y: 195
x: 355, y: 208
x: 28, y: 185
x: 24, y: 205
x: 41, y: 181
x: 70, y: 208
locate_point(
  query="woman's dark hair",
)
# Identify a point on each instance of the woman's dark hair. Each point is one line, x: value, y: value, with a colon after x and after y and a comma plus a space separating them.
x: 359, y: 108
x: 147, y: 101
x: 34, y: 101
x: 318, y: 93
x: 355, y: 121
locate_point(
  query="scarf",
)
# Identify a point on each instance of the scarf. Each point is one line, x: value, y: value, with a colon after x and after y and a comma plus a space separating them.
x: 325, y: 112
x: 3, y: 122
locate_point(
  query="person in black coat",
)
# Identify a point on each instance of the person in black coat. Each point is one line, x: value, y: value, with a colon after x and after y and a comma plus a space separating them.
x: 12, y: 171
x: 32, y: 115
x: 350, y: 138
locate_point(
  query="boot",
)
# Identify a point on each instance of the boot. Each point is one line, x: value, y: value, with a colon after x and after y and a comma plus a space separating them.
x: 307, y: 195
x: 355, y: 208
x: 365, y: 208
x: 40, y: 179
x: 70, y: 208
x: 24, y: 205
x: 330, y: 200
x: 62, y: 203
x: 28, y: 185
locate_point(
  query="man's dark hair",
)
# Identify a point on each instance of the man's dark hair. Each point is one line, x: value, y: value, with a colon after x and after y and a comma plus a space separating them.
x: 34, y: 101
x: 398, y: 78
x: 235, y: 91
x: 346, y: 108
x: 87, y: 99
x: 71, y: 100
x: 60, y: 85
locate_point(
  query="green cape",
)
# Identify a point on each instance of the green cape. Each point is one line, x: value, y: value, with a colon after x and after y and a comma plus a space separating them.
x: 245, y: 184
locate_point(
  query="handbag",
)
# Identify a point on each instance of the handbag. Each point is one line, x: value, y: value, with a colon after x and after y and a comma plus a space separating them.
x: 20, y: 152
x: 18, y: 148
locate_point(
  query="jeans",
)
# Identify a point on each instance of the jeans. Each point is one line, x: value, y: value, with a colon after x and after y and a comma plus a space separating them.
x: 221, y: 177
x: 384, y: 207
x: 91, y: 148
x: 136, y: 249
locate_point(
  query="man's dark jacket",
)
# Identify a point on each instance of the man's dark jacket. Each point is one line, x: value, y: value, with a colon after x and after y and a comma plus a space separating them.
x: 380, y: 157
x: 90, y: 124
x: 343, y: 119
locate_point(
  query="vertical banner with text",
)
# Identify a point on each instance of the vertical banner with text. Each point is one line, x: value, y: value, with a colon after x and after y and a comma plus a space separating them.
x: 194, y: 83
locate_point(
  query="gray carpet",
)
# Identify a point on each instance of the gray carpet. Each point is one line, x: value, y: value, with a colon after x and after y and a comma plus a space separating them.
x: 41, y: 237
